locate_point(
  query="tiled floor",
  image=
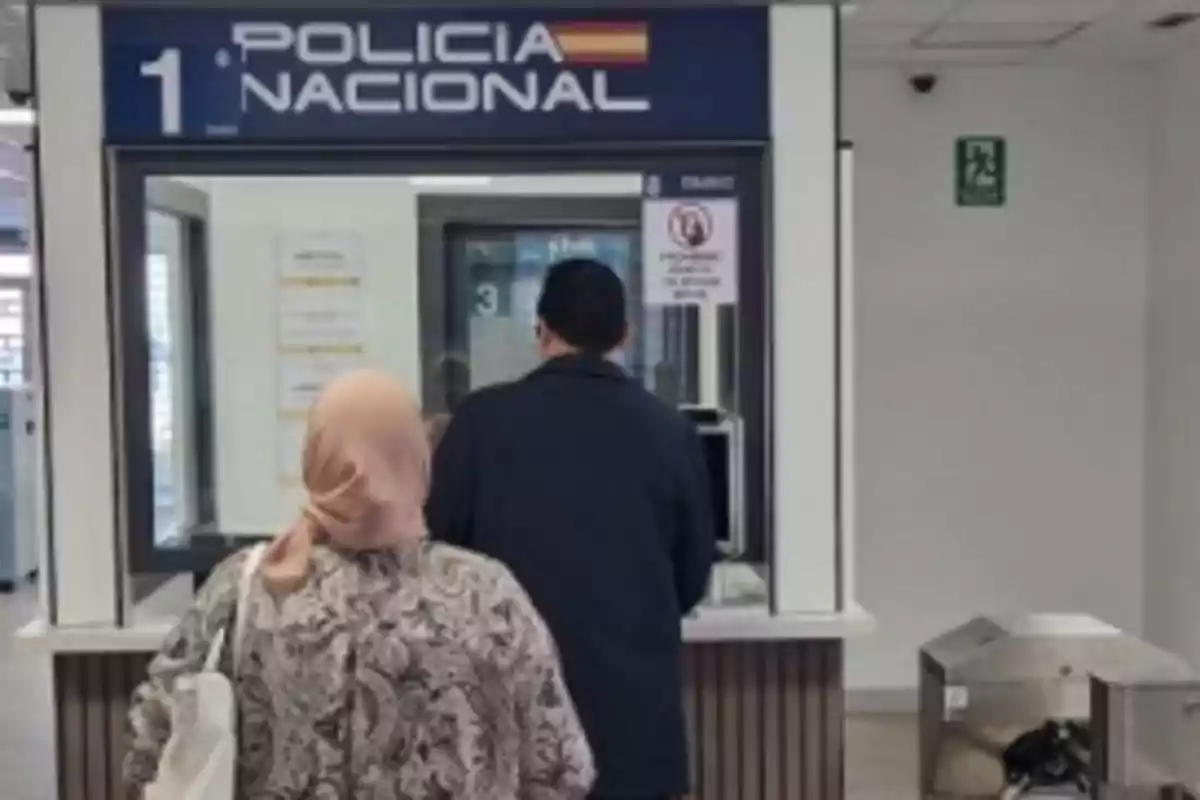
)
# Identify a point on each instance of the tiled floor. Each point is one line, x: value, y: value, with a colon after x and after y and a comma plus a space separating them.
x: 881, y: 758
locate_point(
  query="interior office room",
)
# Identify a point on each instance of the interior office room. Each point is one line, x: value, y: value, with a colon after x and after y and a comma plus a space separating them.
x: 1011, y: 383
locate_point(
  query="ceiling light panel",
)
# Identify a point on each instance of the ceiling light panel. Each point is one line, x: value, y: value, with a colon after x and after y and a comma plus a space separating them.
x: 1047, y: 11
x: 862, y: 55
x: 996, y: 35
x: 1117, y: 50
x: 965, y: 57
x: 883, y: 35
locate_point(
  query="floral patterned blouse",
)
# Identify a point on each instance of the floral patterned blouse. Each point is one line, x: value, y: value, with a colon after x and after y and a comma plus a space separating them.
x: 425, y: 676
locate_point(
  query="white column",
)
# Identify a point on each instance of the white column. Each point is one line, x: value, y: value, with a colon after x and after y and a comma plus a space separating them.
x: 73, y: 282
x: 804, y: 331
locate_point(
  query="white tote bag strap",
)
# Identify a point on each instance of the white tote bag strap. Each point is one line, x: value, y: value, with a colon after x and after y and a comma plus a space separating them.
x: 212, y: 661
x: 249, y: 569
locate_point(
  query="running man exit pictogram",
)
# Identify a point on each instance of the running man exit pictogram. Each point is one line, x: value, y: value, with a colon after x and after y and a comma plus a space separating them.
x: 981, y: 171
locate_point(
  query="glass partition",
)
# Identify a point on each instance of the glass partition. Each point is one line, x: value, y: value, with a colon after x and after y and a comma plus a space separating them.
x: 483, y: 260
x: 168, y: 368
x: 250, y: 291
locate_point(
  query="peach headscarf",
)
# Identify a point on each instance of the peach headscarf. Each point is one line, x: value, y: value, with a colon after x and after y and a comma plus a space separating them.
x: 366, y: 472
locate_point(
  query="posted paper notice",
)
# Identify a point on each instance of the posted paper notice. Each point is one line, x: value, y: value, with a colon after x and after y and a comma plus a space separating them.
x: 690, y: 251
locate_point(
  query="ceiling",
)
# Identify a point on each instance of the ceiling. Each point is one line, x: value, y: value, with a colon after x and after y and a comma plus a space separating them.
x: 989, y: 32
x: 914, y: 33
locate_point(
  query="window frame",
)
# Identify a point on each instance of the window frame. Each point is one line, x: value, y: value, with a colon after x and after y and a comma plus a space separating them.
x: 131, y: 166
x: 188, y: 207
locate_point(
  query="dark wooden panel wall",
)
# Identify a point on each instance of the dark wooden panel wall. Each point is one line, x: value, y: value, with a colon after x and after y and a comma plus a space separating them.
x: 91, y: 694
x: 766, y: 720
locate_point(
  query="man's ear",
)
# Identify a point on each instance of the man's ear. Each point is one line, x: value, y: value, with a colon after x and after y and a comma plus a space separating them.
x: 627, y: 336
x: 546, y: 334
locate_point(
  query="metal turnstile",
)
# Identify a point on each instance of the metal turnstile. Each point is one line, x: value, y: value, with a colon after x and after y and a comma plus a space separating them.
x: 1009, y: 703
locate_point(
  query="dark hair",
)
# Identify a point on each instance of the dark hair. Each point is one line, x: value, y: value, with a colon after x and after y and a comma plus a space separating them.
x: 435, y: 428
x: 583, y: 303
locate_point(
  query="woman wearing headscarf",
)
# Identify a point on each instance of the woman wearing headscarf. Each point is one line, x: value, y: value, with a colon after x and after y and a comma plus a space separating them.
x: 374, y: 663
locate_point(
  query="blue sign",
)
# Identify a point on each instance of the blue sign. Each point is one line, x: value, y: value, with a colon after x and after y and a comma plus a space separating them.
x: 693, y: 185
x: 436, y: 77
x: 536, y: 251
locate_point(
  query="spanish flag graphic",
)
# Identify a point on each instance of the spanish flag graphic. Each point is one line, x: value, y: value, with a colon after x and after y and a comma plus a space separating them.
x: 602, y: 43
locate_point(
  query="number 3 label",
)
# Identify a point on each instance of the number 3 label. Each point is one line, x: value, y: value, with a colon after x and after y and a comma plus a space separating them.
x: 166, y: 69
x: 487, y: 300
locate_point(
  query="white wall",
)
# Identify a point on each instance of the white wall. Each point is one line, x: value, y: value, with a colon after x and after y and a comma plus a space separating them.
x: 1173, y: 365
x: 1000, y: 355
x: 1000, y: 352
x: 247, y: 217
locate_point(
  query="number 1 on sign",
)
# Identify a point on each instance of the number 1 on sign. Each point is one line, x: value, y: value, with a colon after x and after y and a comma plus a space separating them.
x: 166, y: 69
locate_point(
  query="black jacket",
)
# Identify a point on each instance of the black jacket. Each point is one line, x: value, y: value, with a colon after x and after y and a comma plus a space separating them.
x: 595, y: 494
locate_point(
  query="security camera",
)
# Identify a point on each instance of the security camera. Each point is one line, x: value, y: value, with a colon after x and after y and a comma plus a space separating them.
x: 923, y: 83
x: 20, y: 97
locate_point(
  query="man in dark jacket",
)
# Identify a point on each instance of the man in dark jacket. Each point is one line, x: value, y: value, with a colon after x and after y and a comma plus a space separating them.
x: 596, y: 495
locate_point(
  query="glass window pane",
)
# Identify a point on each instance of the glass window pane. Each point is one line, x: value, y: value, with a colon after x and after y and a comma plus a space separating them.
x: 491, y: 287
x: 303, y: 277
x: 166, y: 331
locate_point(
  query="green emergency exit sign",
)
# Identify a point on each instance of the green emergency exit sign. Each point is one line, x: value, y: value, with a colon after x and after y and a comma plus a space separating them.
x: 981, y: 171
